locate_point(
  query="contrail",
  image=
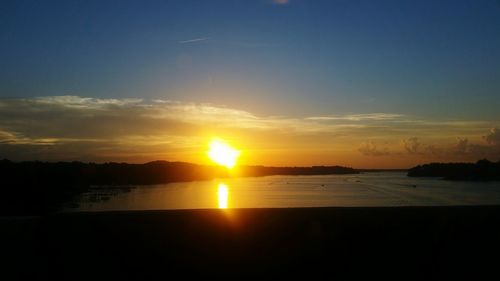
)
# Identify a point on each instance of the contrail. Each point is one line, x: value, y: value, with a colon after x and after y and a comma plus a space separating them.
x: 194, y: 40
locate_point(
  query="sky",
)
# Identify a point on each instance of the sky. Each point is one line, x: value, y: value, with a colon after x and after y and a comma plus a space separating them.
x: 367, y: 84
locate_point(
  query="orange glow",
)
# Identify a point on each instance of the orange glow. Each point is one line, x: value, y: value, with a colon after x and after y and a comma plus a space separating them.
x: 222, y: 153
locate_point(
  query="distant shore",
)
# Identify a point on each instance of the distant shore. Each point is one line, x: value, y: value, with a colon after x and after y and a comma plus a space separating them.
x: 431, y: 243
x: 35, y: 187
x: 482, y: 170
x: 156, y: 172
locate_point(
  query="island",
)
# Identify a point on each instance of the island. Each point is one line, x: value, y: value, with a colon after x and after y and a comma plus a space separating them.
x: 482, y: 170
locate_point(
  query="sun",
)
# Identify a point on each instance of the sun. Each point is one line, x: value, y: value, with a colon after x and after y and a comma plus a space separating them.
x: 222, y: 153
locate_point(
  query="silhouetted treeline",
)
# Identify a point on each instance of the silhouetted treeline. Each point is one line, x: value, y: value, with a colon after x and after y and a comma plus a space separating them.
x: 381, y: 170
x: 254, y: 171
x: 482, y: 170
x: 37, y: 187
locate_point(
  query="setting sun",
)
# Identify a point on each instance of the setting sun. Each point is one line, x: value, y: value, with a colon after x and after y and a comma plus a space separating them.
x: 222, y: 153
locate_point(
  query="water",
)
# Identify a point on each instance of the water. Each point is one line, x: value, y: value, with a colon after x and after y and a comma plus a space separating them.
x: 367, y: 189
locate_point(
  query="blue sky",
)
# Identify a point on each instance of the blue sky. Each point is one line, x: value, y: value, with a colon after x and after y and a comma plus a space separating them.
x: 295, y: 59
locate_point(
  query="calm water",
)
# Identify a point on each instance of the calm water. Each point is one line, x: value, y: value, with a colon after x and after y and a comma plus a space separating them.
x: 368, y: 189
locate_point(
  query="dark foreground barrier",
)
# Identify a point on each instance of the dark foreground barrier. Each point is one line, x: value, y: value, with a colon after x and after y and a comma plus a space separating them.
x: 420, y: 243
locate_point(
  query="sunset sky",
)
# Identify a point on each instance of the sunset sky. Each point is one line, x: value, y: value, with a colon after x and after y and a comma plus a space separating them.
x: 366, y: 84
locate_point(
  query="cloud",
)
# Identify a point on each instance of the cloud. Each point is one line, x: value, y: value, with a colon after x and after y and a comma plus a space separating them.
x: 411, y: 145
x: 358, y: 117
x: 16, y: 138
x: 74, y: 117
x: 194, y: 40
x: 81, y: 102
x: 371, y: 149
x: 493, y: 137
x: 99, y: 118
x: 491, y: 150
x: 461, y: 147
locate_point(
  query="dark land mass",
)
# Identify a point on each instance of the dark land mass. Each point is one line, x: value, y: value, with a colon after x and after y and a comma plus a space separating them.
x: 400, y: 243
x: 482, y: 170
x: 41, y: 187
x: 380, y: 170
x: 257, y: 171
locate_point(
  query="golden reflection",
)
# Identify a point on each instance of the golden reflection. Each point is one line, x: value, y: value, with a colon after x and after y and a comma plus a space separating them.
x: 223, y: 194
x: 222, y: 153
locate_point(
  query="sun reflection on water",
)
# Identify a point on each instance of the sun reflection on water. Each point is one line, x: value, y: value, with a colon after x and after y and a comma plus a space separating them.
x: 223, y: 194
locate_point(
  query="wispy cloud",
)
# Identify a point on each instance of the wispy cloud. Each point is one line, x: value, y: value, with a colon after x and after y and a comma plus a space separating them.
x: 358, y: 117
x: 194, y: 40
x: 14, y: 138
